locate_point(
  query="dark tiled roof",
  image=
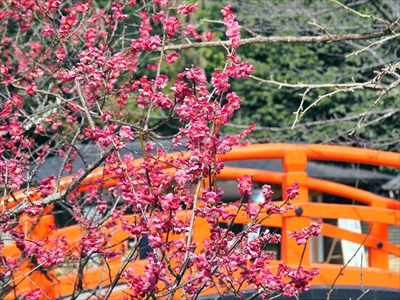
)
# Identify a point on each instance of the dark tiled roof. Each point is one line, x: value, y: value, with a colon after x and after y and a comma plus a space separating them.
x: 322, y: 170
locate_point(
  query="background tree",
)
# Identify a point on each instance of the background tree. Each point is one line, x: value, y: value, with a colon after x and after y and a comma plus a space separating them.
x: 328, y: 48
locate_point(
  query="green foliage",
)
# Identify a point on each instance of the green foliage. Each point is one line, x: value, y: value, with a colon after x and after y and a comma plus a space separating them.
x: 331, y: 120
x: 273, y: 108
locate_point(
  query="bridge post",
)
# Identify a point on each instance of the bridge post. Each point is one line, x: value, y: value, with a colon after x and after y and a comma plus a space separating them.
x: 294, y: 164
x: 378, y: 258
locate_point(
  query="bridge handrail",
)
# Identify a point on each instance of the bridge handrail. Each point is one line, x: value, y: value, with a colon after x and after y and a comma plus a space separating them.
x: 309, y: 210
x: 256, y: 151
x: 381, y: 210
x: 315, y: 184
x: 317, y: 152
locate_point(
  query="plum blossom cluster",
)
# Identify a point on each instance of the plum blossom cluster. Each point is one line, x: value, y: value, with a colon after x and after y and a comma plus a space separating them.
x: 242, y: 70
x: 52, y: 255
x: 191, y: 30
x: 187, y: 9
x: 236, y: 255
x: 171, y: 58
x: 302, y: 235
x: 78, y: 81
x: 12, y: 173
x: 233, y: 29
x: 171, y: 26
x: 293, y: 191
x: 142, y: 285
x: 245, y: 185
x: 220, y: 82
x: 67, y: 23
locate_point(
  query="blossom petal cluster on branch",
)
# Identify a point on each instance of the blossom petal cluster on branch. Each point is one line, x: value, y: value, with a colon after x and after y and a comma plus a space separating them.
x: 75, y: 83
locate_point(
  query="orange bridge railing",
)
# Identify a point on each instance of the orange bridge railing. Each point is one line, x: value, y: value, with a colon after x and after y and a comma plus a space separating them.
x: 377, y: 210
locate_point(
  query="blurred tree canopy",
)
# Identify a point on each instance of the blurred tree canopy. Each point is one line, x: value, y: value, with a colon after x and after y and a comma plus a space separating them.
x: 272, y: 106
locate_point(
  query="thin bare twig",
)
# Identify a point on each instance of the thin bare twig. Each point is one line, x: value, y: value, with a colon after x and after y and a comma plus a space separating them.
x: 380, y: 42
x: 323, y: 29
x: 130, y: 257
x: 300, y: 109
x: 382, y: 94
x: 344, y: 267
x: 68, y: 154
x: 302, y: 256
x: 196, y: 196
x: 369, y: 84
x: 364, y: 292
x: 384, y: 112
x: 26, y: 276
x: 160, y: 60
x: 84, y: 104
x: 360, y: 14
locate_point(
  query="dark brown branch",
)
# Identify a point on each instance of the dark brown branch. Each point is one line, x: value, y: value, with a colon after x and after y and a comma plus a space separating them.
x: 378, y: 8
x: 60, y: 195
x: 384, y: 112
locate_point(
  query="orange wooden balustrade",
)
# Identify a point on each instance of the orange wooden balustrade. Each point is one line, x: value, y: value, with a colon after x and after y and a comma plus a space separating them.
x: 379, y: 210
x: 371, y: 277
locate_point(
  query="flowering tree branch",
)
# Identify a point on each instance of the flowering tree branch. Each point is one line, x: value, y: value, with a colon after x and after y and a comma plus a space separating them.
x: 347, y: 263
x: 67, y: 79
x: 57, y: 196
